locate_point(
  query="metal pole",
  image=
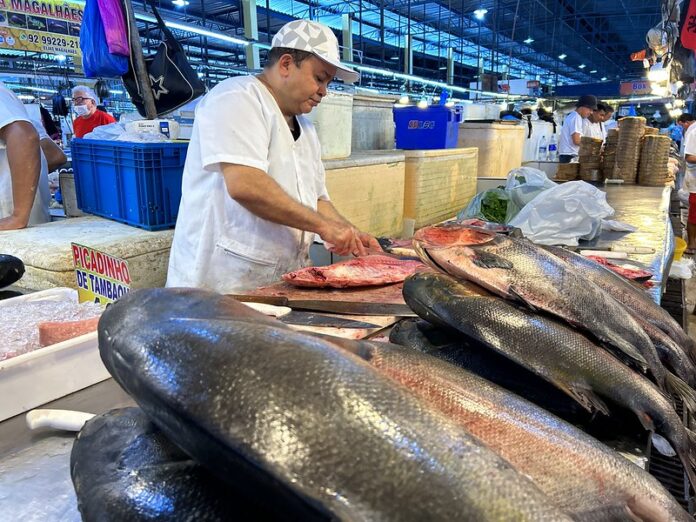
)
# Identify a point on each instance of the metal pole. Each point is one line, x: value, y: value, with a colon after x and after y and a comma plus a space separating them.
x: 141, y: 75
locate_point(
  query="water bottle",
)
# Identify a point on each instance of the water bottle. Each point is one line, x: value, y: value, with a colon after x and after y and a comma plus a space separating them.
x: 541, y: 154
x: 553, y: 148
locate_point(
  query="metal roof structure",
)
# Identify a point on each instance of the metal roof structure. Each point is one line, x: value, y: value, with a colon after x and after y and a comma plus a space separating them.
x: 513, y: 39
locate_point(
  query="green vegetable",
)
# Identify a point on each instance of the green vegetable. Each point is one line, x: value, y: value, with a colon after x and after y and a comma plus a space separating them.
x: 494, y: 208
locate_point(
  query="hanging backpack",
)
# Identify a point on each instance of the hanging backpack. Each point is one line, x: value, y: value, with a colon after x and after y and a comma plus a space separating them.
x: 174, y: 82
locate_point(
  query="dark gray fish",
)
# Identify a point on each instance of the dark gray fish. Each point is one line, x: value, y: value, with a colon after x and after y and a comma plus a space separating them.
x: 516, y: 269
x: 11, y: 270
x: 313, y: 431
x: 552, y: 350
x: 630, y: 295
x: 124, y: 468
x: 580, y: 475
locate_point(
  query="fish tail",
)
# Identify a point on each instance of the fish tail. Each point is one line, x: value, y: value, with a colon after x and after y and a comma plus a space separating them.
x: 676, y: 386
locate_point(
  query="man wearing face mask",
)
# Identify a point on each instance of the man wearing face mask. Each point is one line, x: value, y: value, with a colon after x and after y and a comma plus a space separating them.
x: 253, y: 191
x: 85, y: 107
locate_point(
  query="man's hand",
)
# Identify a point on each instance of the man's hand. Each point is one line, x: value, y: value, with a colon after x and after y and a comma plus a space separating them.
x: 370, y: 243
x: 13, y: 223
x: 342, y: 239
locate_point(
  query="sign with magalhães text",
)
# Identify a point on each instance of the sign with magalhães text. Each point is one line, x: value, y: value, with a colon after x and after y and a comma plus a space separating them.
x: 100, y: 277
x: 45, y: 26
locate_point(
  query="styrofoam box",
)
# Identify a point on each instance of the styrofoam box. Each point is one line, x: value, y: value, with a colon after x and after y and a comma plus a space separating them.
x: 49, y: 373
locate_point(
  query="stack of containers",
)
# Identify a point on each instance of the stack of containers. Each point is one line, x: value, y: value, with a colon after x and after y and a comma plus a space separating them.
x: 567, y: 171
x: 651, y: 131
x: 609, y: 155
x: 590, y: 157
x: 654, y: 161
x: 631, y: 131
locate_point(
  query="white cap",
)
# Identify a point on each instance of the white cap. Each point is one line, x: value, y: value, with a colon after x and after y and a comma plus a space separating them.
x: 317, y: 39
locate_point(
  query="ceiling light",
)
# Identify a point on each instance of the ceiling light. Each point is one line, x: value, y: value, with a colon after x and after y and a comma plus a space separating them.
x: 562, y: 56
x: 423, y: 104
x: 395, y: 57
x: 529, y: 40
x: 404, y: 99
x: 180, y: 3
x: 604, y: 78
x: 593, y: 71
x: 582, y: 66
x: 444, y: 68
x: 480, y: 13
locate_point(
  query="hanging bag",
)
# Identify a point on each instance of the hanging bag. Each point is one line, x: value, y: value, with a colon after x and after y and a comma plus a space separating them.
x: 174, y: 82
x: 111, y: 13
x: 96, y: 59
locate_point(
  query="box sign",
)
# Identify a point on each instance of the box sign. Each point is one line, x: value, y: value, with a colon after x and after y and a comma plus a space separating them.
x: 101, y: 278
x: 45, y: 26
x: 639, y: 87
x: 533, y: 84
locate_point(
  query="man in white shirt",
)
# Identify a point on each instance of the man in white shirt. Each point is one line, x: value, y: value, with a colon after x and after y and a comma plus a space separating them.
x: 24, y: 193
x: 593, y: 124
x: 253, y: 191
x: 572, y: 131
x: 686, y: 122
x: 609, y: 121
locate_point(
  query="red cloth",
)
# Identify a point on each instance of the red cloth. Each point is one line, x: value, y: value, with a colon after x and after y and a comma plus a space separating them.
x: 688, y: 31
x: 82, y: 126
x: 692, y: 209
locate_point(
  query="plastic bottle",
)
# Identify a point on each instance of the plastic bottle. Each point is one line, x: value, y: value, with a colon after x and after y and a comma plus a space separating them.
x: 553, y: 148
x: 543, y: 150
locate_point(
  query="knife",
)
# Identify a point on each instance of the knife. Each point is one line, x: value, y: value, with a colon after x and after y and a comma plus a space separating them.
x: 313, y: 319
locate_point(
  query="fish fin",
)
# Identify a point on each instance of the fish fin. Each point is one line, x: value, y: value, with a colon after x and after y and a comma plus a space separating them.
x: 662, y: 445
x: 587, y: 399
x: 679, y: 388
x: 489, y: 260
x: 646, y: 421
x: 519, y: 297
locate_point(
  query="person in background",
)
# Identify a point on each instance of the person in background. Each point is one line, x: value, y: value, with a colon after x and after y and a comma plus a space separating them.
x: 592, y: 126
x: 253, y: 191
x: 88, y: 117
x: 686, y: 122
x: 609, y: 121
x: 24, y: 194
x: 572, y: 130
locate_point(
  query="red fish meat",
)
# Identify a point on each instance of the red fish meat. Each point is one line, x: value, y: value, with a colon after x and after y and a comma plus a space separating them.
x: 372, y: 270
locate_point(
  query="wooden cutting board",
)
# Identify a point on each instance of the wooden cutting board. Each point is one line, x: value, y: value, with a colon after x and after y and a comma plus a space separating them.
x: 377, y: 300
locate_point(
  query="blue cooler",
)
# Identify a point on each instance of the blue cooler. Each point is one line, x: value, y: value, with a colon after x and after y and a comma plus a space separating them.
x: 434, y: 127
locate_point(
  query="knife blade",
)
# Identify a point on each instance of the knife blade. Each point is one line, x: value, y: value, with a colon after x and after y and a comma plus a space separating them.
x: 314, y: 319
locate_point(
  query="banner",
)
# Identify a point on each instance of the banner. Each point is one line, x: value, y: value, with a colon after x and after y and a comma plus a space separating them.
x: 638, y: 87
x: 101, y: 278
x: 45, y: 26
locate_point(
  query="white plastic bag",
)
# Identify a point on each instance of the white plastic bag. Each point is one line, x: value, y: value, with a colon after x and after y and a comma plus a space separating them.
x: 111, y: 131
x: 682, y: 269
x: 525, y: 183
x: 564, y: 214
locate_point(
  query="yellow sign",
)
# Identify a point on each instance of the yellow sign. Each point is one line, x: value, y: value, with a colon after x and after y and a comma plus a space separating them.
x: 101, y: 278
x: 47, y: 26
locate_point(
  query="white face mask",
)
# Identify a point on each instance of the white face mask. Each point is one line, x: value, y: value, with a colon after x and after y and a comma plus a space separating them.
x: 81, y: 110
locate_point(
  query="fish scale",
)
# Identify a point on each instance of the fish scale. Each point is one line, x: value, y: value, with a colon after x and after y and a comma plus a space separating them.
x: 559, y: 354
x: 580, y: 474
x: 516, y: 269
x: 316, y: 432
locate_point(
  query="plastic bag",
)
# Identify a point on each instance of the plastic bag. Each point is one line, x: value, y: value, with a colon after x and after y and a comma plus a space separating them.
x: 109, y: 132
x: 492, y: 205
x: 96, y: 59
x: 114, y: 26
x: 564, y: 214
x: 682, y: 269
x: 526, y: 183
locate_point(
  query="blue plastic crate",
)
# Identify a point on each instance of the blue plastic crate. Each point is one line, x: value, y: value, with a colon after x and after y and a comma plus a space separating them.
x: 134, y: 183
x: 435, y: 127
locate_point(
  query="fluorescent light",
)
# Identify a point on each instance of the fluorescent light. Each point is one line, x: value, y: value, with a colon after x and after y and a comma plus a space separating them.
x: 582, y: 66
x: 395, y: 57
x: 180, y: 3
x: 443, y: 68
x: 593, y: 71
x: 604, y: 78
x: 529, y: 40
x: 562, y: 56
x: 480, y: 13
x: 196, y: 30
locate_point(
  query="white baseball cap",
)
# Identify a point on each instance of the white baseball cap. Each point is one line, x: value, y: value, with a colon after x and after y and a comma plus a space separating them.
x: 317, y: 39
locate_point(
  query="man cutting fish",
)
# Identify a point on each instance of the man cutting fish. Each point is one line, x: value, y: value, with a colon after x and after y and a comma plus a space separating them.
x: 254, y: 191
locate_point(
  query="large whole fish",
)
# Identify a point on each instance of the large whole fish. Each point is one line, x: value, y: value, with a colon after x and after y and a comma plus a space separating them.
x: 123, y: 468
x: 517, y: 269
x: 631, y: 296
x: 313, y: 431
x: 579, y: 474
x: 552, y: 350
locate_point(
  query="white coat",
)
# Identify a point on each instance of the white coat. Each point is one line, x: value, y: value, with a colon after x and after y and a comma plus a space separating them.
x: 218, y: 244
